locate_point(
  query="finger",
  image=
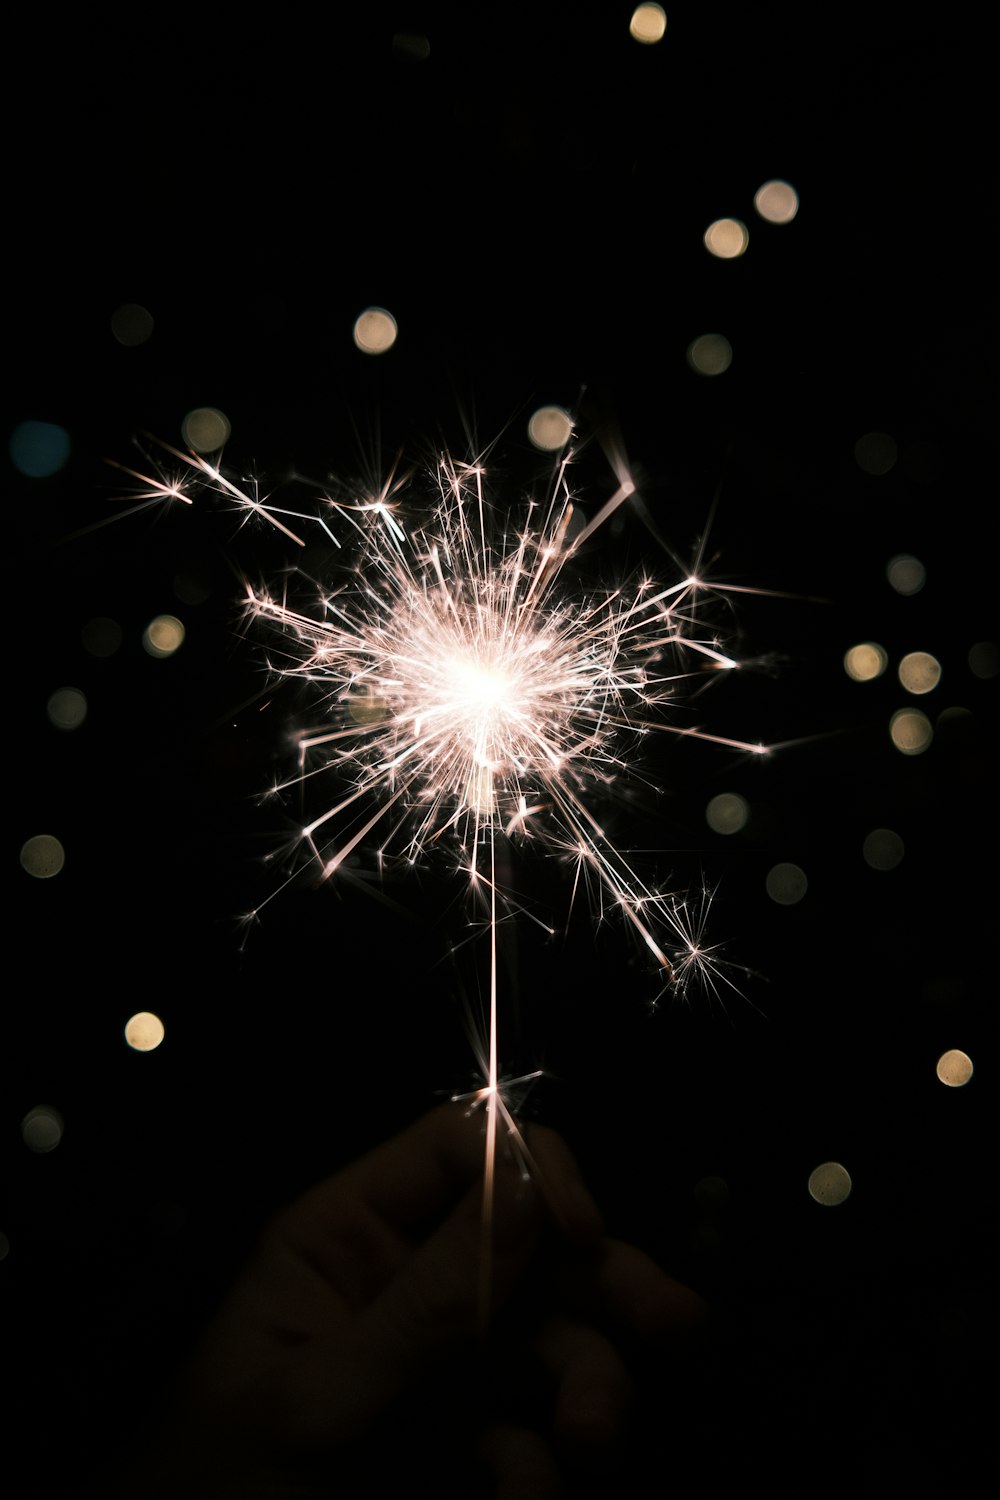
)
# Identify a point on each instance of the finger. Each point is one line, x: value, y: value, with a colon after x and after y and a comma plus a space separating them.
x: 358, y: 1226
x: 593, y: 1387
x: 416, y: 1177
x: 403, y: 1189
x: 521, y: 1464
x: 562, y: 1185
x: 625, y: 1288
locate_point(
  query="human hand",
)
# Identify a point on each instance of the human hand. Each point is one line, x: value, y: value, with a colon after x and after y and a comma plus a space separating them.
x: 350, y: 1355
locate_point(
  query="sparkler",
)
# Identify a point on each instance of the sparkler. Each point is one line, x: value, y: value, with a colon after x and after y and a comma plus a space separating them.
x: 471, y: 693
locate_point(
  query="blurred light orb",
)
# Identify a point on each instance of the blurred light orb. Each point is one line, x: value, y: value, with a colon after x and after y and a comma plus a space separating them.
x: 38, y: 449
x: 131, y: 324
x: 42, y: 856
x: 375, y: 331
x: 191, y: 585
x: 910, y: 731
x: 550, y: 428
x: 648, y: 24
x: 786, y: 884
x: 710, y: 354
x: 411, y: 46
x: 776, y: 201
x: 865, y: 661
x: 726, y: 239
x: 919, y: 672
x: 906, y: 574
x: 67, y: 708
x: 206, y: 429
x: 954, y: 1068
x: 882, y: 849
x: 163, y: 636
x: 367, y: 707
x: 101, y: 636
x: 984, y: 659
x: 876, y: 453
x: 144, y: 1031
x: 727, y: 813
x: 829, y: 1184
x: 42, y: 1128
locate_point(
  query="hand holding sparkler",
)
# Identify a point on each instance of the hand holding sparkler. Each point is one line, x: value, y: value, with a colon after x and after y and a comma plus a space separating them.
x: 349, y: 1356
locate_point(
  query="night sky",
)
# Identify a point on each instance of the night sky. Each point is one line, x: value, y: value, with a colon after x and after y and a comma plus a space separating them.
x: 528, y: 194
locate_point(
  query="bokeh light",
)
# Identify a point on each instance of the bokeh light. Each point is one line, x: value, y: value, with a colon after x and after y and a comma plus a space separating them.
x: 42, y: 856
x: 726, y: 239
x: 776, y: 201
x: 910, y: 731
x: 830, y: 1184
x: 67, y: 708
x: 882, y: 849
x: 144, y: 1031
x: 550, y: 428
x: 42, y: 1128
x: 865, y: 661
x: 984, y: 659
x: 954, y: 1068
x: 876, y: 453
x: 919, y: 672
x: 131, y: 324
x: 163, y: 636
x: 648, y: 24
x: 906, y: 574
x: 411, y: 46
x: 375, y: 331
x: 786, y: 883
x: 101, y: 636
x: 38, y: 449
x: 710, y: 354
x: 206, y: 429
x: 727, y: 812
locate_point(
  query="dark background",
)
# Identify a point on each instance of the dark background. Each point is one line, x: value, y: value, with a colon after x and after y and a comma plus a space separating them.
x: 529, y: 201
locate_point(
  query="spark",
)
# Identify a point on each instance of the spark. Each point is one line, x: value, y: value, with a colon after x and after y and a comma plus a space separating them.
x: 470, y: 692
